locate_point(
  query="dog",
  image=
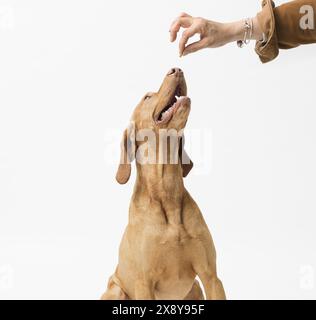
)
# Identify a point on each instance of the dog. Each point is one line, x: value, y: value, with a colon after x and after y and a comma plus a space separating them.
x: 166, y: 244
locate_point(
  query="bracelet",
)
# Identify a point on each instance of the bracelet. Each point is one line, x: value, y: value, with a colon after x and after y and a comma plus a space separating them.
x: 248, y: 26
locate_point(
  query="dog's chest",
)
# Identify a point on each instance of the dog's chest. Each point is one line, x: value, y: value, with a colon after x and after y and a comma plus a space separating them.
x: 174, y: 235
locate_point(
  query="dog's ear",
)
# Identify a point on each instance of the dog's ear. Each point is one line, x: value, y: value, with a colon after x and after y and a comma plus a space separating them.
x: 186, y: 162
x: 127, y: 156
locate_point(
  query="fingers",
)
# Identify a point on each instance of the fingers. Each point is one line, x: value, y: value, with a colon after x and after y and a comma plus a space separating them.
x: 184, y: 22
x: 192, y: 26
x: 187, y: 34
x: 195, y: 46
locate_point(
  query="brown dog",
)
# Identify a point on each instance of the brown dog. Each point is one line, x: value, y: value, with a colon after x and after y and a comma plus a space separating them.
x: 167, y: 242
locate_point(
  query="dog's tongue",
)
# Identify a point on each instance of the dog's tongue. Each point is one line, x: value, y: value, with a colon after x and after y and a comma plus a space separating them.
x: 166, y: 115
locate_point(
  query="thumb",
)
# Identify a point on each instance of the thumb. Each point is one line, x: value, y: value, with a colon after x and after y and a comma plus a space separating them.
x: 195, y: 46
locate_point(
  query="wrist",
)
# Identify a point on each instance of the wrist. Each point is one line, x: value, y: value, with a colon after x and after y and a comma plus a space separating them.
x: 236, y: 30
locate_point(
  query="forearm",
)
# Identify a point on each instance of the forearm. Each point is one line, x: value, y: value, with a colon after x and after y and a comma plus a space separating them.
x: 236, y: 30
x: 283, y: 26
x: 295, y: 23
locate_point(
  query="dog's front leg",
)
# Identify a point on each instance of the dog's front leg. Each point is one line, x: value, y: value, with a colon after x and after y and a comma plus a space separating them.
x: 144, y: 290
x: 214, y: 289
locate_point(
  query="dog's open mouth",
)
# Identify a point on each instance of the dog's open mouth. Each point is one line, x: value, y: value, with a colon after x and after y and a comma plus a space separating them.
x: 177, y: 101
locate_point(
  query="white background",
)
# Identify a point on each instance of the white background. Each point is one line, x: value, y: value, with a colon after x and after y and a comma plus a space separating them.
x: 72, y: 71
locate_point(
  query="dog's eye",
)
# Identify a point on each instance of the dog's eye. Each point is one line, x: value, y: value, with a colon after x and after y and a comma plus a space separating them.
x: 147, y: 97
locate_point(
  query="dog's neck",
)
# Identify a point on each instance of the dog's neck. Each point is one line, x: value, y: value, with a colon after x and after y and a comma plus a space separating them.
x: 161, y: 187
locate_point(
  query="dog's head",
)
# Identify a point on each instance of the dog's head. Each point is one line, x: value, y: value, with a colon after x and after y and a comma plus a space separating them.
x: 167, y: 109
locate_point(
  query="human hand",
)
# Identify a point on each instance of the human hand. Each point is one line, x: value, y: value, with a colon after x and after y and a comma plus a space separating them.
x: 212, y: 34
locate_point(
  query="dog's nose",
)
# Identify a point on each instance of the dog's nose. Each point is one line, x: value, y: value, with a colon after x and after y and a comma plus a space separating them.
x: 174, y: 71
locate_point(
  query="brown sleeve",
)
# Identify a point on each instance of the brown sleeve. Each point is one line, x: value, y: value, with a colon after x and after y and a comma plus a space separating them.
x: 282, y: 27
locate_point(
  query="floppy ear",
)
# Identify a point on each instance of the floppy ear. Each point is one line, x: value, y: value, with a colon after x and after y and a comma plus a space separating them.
x: 186, y: 162
x: 127, y: 156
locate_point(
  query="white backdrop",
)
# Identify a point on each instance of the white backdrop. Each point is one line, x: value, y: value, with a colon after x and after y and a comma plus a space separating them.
x: 72, y: 72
